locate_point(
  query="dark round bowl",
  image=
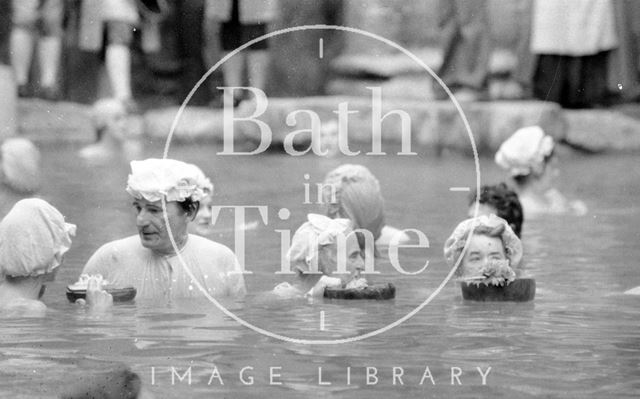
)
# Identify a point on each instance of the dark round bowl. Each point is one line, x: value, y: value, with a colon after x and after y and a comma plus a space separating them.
x: 520, y: 290
x: 376, y: 291
x: 118, y: 294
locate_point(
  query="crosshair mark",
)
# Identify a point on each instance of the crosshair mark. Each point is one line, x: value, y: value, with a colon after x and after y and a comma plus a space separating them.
x: 461, y: 189
x: 321, y: 48
x: 322, y: 321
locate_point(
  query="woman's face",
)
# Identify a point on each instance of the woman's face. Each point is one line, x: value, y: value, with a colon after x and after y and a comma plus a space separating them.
x: 328, y: 259
x: 482, y: 249
x: 202, y: 223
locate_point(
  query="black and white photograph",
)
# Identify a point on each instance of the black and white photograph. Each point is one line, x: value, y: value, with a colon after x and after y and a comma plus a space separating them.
x: 319, y: 199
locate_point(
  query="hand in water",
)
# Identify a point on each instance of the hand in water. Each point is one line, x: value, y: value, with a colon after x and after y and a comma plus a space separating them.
x: 96, y: 298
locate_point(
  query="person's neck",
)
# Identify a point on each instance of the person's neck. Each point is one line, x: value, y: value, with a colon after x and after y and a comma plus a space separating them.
x: 181, y: 242
x: 22, y: 288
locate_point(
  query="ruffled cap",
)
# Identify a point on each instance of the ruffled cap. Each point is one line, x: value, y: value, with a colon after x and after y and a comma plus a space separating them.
x: 317, y: 231
x: 525, y: 151
x: 33, y: 238
x: 456, y: 242
x: 20, y: 164
x: 152, y: 179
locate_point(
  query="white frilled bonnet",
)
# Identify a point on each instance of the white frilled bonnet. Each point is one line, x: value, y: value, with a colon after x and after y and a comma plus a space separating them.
x: 152, y: 179
x: 525, y: 151
x: 20, y: 164
x: 33, y: 239
x: 456, y: 242
x: 317, y: 231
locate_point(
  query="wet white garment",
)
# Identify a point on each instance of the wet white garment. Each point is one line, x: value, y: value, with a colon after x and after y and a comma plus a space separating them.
x: 572, y: 27
x: 126, y: 263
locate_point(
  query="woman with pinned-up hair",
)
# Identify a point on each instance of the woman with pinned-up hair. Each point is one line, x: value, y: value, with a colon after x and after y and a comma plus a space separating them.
x: 353, y: 192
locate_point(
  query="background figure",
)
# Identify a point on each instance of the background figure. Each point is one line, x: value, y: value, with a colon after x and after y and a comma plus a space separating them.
x: 624, y: 65
x: 466, y: 44
x: 239, y: 22
x: 353, y: 192
x: 20, y: 165
x: 528, y: 157
x: 501, y: 201
x: 119, y: 18
x: 573, y: 40
x: 33, y: 240
x: 113, y: 133
x: 41, y: 19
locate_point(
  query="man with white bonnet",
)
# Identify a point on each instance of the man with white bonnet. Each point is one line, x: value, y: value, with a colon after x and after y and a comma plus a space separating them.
x: 148, y: 261
x: 528, y: 157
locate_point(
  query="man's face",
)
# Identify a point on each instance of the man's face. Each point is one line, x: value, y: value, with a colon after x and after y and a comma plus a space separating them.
x: 152, y: 229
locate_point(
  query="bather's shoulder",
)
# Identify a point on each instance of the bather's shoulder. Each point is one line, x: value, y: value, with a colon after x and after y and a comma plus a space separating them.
x: 124, y: 244
x: 112, y: 253
x: 204, y: 245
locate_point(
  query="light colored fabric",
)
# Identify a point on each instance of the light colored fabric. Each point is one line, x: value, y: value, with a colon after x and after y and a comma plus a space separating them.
x: 524, y: 152
x: 94, y: 14
x: 20, y: 165
x: 573, y: 27
x: 105, y: 110
x: 175, y: 180
x: 357, y: 197
x: 455, y: 243
x: 317, y: 231
x: 251, y: 11
x: 33, y: 239
x: 126, y: 263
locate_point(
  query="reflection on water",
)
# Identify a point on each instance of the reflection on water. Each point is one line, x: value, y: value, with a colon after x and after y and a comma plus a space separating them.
x: 579, y: 338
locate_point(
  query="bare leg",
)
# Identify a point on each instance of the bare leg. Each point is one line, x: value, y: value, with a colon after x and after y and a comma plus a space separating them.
x: 233, y: 71
x: 258, y: 62
x: 21, y: 54
x: 118, y: 65
x: 49, y: 48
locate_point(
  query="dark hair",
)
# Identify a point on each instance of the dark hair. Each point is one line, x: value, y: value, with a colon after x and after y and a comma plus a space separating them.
x: 506, y: 202
x: 189, y: 205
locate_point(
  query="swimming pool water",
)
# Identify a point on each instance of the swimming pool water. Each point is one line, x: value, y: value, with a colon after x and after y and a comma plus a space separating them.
x: 579, y: 338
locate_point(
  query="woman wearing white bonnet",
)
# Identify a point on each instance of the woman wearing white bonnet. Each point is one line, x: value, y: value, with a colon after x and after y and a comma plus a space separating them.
x: 33, y: 240
x: 528, y: 158
x: 315, y: 254
x: 494, y: 250
x: 115, y: 132
x: 158, y: 266
x: 20, y: 165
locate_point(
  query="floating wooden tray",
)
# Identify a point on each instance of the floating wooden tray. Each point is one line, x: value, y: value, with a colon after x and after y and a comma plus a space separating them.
x: 377, y: 291
x: 520, y: 290
x: 119, y: 294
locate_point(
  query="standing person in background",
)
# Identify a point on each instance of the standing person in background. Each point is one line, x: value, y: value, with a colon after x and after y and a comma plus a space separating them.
x: 41, y: 19
x: 120, y: 19
x: 239, y: 22
x: 466, y: 45
x: 573, y: 40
